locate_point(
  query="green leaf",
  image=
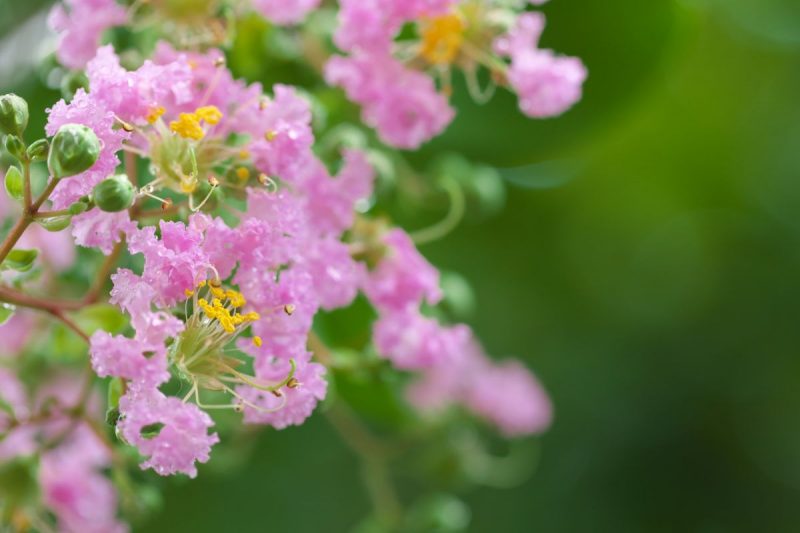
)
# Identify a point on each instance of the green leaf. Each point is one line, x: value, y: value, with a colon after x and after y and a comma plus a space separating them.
x: 14, y: 183
x: 151, y: 431
x: 101, y: 316
x: 115, y: 387
x: 20, y: 260
x: 6, y: 312
x: 55, y: 224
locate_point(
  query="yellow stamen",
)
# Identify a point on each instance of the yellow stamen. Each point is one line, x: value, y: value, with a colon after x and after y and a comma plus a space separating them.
x: 270, y: 135
x: 155, y: 114
x: 243, y: 173
x: 188, y: 293
x: 442, y: 38
x: 188, y: 126
x: 244, y: 154
x: 257, y: 341
x: 211, y: 114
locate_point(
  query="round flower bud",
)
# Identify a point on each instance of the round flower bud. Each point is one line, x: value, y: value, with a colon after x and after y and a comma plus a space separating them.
x: 15, y: 146
x: 114, y: 194
x: 13, y: 114
x: 74, y: 149
x: 37, y: 151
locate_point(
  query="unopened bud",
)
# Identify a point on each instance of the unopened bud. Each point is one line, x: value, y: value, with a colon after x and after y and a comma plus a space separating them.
x: 75, y: 148
x: 79, y: 207
x: 114, y: 194
x: 13, y: 114
x: 38, y: 150
x: 15, y: 146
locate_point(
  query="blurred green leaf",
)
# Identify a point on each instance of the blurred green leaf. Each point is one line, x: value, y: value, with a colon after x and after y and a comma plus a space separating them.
x: 19, y: 260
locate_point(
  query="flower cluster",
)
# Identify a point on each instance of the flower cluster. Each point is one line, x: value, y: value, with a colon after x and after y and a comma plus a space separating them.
x: 237, y: 231
x: 392, y: 78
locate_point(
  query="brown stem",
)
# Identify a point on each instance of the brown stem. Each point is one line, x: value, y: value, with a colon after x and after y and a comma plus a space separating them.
x: 70, y: 324
x: 27, y: 187
x: 32, y: 302
x: 12, y: 238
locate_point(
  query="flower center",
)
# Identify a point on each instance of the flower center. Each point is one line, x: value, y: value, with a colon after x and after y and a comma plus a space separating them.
x: 442, y: 38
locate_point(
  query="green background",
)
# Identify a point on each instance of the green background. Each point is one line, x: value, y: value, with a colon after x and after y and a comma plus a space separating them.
x: 645, y: 266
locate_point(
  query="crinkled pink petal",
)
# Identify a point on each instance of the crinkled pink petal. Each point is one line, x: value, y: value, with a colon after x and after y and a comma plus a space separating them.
x: 99, y: 229
x: 295, y: 404
x: 173, y: 435
x: 403, y: 278
x: 401, y: 104
x: 80, y: 25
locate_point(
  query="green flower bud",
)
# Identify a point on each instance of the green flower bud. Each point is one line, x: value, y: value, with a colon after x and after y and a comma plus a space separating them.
x: 114, y: 194
x: 13, y: 114
x: 15, y: 146
x: 78, y: 207
x: 74, y: 149
x: 37, y: 151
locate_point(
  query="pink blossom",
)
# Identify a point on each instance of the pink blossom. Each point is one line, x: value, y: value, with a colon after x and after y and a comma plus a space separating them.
x: 505, y: 394
x: 413, y: 342
x: 401, y: 104
x: 295, y: 404
x: 80, y: 25
x: 547, y: 84
x: 16, y: 332
x: 20, y: 440
x: 285, y: 11
x: 173, y: 435
x: 132, y: 95
x: 172, y: 264
x: 84, y: 109
x: 74, y: 488
x: 331, y: 201
x: 98, y: 229
x: 336, y: 275
x: 403, y: 278
x: 130, y: 359
x: 281, y: 145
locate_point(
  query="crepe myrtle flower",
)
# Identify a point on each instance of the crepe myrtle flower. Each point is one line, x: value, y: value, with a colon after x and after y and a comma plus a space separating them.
x: 392, y: 77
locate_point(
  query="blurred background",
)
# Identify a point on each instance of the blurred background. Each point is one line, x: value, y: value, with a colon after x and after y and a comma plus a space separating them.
x: 646, y: 265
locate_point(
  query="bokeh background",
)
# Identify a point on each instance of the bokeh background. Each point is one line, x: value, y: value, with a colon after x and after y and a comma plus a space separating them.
x: 646, y: 265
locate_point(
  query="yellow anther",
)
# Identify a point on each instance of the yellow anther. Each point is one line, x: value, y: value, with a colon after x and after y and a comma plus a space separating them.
x: 244, y: 154
x: 289, y: 309
x: 155, y: 114
x: 209, y: 113
x: 293, y: 383
x: 217, y: 292
x: 257, y: 341
x: 188, y: 293
x: 251, y: 316
x: 214, y: 283
x: 201, y: 284
x: 270, y: 135
x: 442, y: 38
x: 243, y: 173
x: 188, y: 186
x: 187, y: 126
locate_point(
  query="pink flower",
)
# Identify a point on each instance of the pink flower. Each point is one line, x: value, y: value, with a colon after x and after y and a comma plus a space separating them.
x: 509, y: 396
x: 505, y: 394
x: 80, y: 24
x: 294, y: 405
x: 98, y: 229
x: 332, y: 201
x: 131, y: 95
x: 281, y: 143
x: 172, y: 264
x: 74, y: 488
x: 403, y: 278
x: 401, y: 104
x: 285, y: 11
x: 336, y: 275
x: 173, y: 435
x: 413, y: 342
x: 131, y: 359
x: 547, y: 84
